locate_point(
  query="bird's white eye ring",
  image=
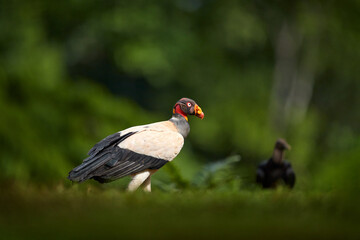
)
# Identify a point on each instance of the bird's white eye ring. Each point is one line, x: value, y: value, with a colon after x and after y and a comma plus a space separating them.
x: 189, y: 104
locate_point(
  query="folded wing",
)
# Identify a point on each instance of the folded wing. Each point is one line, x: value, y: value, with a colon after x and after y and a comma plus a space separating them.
x: 128, y: 152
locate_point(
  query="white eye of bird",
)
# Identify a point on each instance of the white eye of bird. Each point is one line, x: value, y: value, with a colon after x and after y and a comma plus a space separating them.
x: 189, y: 104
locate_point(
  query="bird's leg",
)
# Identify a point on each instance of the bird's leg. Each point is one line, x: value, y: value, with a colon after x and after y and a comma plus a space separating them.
x: 137, y: 180
x: 147, y: 184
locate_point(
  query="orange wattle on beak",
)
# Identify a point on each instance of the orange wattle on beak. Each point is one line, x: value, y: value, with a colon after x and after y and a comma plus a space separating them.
x: 198, y: 112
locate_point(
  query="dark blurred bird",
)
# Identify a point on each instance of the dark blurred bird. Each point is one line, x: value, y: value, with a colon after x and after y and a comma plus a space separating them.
x: 274, y: 170
x: 138, y: 151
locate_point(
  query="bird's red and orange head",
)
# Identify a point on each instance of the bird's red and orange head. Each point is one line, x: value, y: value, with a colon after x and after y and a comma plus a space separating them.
x: 187, y: 106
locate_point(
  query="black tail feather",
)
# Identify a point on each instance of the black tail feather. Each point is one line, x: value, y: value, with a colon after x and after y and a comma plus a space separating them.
x: 99, y: 155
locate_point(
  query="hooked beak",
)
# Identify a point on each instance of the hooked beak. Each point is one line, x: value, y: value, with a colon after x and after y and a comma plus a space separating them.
x: 198, y: 112
x: 288, y: 147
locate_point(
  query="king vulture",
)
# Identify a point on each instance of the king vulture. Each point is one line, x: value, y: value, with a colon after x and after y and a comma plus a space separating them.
x: 269, y: 173
x: 138, y: 151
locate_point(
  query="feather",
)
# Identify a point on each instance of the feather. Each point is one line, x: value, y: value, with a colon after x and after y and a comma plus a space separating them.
x: 129, y: 152
x: 113, y: 162
x: 109, y: 140
x: 129, y: 163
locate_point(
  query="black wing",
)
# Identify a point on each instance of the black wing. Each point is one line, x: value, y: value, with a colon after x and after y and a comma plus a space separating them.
x: 128, y: 162
x: 289, y: 176
x: 108, y: 162
x: 260, y: 173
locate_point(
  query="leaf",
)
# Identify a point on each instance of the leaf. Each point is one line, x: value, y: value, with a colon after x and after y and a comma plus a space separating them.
x: 216, y: 173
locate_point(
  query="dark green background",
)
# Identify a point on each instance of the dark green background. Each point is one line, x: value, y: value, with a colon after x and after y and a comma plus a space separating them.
x: 73, y: 72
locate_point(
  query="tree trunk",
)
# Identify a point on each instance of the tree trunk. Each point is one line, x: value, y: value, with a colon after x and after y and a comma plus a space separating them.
x: 293, y: 77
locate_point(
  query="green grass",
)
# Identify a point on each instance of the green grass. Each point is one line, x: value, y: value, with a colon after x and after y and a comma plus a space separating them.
x: 90, y: 212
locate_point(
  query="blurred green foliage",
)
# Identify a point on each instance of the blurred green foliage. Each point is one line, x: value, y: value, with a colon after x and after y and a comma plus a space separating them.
x: 73, y: 72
